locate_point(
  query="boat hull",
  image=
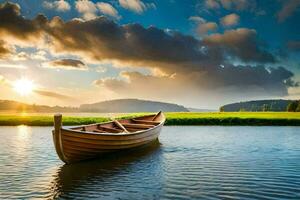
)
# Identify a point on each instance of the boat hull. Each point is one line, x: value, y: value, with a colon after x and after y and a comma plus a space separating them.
x: 73, y: 146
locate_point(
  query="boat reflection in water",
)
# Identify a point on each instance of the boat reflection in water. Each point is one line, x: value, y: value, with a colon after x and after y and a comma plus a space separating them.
x: 111, y: 176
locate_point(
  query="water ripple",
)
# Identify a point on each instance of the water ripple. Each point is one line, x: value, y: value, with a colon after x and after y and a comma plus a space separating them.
x: 188, y: 163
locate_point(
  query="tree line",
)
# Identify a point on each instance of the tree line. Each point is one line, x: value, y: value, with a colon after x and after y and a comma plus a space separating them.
x: 271, y: 105
x: 293, y: 106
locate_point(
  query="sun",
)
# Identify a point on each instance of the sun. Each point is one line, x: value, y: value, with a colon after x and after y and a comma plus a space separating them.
x: 23, y: 86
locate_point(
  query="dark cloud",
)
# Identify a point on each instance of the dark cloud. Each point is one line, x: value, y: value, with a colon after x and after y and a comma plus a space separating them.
x: 272, y: 80
x: 288, y: 8
x: 241, y: 43
x: 14, y: 24
x: 103, y: 39
x: 66, y: 64
x: 53, y: 95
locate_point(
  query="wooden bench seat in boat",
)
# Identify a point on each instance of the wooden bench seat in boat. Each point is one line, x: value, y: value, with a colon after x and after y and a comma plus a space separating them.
x: 138, y: 126
x: 136, y: 121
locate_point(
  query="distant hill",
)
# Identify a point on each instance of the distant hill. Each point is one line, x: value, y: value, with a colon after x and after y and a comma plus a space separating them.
x: 131, y: 105
x: 8, y: 105
x: 276, y: 105
x: 113, y: 106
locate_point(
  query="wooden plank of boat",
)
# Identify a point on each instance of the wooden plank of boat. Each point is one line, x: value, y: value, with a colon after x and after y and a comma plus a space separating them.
x: 89, y: 141
x: 108, y: 136
x: 83, y: 155
x: 145, y: 122
x: 137, y: 126
x: 89, y: 146
x: 101, y: 143
x: 99, y: 131
x: 109, y: 129
x: 133, y: 129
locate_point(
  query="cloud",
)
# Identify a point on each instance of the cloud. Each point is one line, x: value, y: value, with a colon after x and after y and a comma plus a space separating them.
x: 212, y: 4
x: 136, y: 6
x: 13, y: 24
x: 230, y: 20
x: 87, y: 8
x: 288, y: 8
x: 141, y: 85
x: 102, y: 39
x: 22, y: 56
x: 68, y: 64
x: 214, y: 84
x: 293, y: 45
x: 241, y: 43
x: 12, y: 65
x: 108, y: 9
x: 53, y: 95
x: 39, y: 55
x: 59, y: 5
x: 238, y: 5
x: 204, y: 28
x: 190, y: 67
x: 100, y: 69
x: 5, y: 50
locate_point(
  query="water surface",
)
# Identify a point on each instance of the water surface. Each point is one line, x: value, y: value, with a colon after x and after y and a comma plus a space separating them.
x: 189, y: 162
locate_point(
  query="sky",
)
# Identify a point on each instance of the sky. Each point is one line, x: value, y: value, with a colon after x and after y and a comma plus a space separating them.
x: 197, y: 53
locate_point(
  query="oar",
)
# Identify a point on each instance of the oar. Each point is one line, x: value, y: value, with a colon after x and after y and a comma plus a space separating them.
x: 120, y: 125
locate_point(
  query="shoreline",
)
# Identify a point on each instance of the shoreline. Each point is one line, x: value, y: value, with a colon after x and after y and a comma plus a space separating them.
x: 174, y: 119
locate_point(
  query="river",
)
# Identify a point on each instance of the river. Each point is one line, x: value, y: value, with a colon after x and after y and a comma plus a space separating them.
x: 188, y: 162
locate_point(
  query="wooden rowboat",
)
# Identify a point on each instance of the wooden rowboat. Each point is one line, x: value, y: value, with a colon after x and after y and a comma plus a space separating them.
x: 90, y: 141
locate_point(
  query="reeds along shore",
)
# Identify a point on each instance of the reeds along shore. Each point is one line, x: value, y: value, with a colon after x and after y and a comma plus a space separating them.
x: 216, y: 118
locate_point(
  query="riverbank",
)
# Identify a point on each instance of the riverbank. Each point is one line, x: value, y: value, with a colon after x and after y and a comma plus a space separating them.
x: 209, y: 118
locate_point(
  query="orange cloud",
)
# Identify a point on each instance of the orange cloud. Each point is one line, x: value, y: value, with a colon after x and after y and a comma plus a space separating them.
x: 230, y: 20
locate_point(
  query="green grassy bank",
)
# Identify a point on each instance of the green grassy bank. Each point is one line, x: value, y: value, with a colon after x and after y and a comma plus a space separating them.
x: 215, y: 118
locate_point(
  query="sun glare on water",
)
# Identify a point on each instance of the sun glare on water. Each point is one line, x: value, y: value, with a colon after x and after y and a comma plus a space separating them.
x: 23, y: 86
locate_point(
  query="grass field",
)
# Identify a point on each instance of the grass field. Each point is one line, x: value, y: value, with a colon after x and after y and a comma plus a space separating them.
x: 235, y: 118
x: 210, y: 118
